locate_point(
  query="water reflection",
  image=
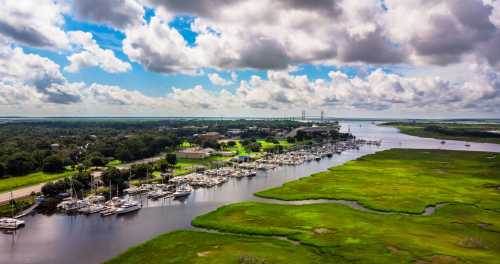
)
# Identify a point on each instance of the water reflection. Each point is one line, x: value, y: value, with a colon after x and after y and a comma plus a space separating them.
x: 90, y: 239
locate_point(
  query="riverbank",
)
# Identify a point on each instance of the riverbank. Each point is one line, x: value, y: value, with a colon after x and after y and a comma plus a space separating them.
x: 465, y: 230
x: 451, y: 131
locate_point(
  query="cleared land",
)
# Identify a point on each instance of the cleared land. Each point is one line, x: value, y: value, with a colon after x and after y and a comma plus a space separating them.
x: 451, y: 131
x: 465, y: 230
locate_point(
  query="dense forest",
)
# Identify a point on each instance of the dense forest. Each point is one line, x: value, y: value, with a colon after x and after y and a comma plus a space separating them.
x: 27, y: 146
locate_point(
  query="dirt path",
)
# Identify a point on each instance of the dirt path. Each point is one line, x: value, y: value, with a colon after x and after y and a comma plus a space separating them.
x: 20, y: 193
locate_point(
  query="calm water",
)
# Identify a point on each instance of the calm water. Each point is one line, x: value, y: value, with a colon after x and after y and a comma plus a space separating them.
x: 91, y: 239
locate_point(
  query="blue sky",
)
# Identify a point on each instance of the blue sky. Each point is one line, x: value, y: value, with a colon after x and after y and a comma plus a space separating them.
x: 264, y: 58
x: 159, y: 84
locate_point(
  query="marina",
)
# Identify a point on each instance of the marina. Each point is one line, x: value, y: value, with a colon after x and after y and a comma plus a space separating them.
x: 84, y: 237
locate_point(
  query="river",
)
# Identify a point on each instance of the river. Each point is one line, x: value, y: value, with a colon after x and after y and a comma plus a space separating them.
x: 59, y: 238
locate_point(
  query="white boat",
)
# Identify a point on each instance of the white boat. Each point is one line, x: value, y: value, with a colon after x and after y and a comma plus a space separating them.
x: 157, y: 194
x: 115, y: 202
x: 183, y: 190
x: 133, y: 190
x: 92, y: 209
x: 128, y: 207
x: 71, y: 205
x: 10, y: 223
x: 108, y: 211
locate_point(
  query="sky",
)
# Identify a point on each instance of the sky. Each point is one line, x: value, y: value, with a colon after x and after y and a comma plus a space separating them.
x: 250, y: 58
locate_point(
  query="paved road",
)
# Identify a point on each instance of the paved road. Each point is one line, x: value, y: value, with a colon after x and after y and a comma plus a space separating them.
x: 20, y: 193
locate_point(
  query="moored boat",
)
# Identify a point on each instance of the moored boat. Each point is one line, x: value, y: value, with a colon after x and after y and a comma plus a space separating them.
x: 128, y: 207
x: 183, y: 190
x: 10, y: 223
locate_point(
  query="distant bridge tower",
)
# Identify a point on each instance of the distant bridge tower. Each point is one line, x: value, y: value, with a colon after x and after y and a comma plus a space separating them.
x: 303, y: 114
x: 322, y: 115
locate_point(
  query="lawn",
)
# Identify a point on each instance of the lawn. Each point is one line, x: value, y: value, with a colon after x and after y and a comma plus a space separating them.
x: 404, y: 180
x: 12, y: 183
x: 417, y: 129
x: 114, y: 163
x: 455, y: 234
x: 269, y: 145
x: 211, y: 248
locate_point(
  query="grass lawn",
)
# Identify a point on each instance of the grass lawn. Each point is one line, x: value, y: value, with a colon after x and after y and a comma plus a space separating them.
x: 455, y: 234
x: 404, y: 180
x: 114, y: 163
x: 201, y: 247
x: 418, y: 130
x: 268, y: 145
x: 12, y: 183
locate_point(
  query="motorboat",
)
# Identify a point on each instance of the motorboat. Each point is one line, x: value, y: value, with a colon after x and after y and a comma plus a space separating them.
x: 71, y: 205
x: 128, y: 207
x: 157, y: 194
x: 108, y: 211
x: 183, y: 190
x: 133, y: 190
x: 10, y: 223
x: 92, y: 209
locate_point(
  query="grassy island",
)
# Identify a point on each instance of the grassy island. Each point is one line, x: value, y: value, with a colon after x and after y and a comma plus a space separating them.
x: 404, y: 180
x: 482, y: 133
x: 398, y: 182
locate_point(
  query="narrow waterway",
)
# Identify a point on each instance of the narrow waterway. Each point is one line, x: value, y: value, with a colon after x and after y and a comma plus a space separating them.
x: 77, y: 239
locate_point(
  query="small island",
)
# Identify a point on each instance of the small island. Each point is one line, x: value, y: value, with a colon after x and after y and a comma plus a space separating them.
x: 472, y: 132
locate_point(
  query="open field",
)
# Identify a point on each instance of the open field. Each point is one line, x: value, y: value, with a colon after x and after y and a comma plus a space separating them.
x: 454, y: 131
x: 201, y: 247
x: 12, y: 183
x: 464, y: 230
x: 404, y: 180
x: 467, y: 233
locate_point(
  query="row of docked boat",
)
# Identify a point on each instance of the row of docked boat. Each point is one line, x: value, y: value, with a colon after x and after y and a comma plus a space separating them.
x: 95, y: 204
x: 156, y: 191
x: 182, y: 186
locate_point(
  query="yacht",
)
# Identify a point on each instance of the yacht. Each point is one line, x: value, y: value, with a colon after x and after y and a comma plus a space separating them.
x: 133, y: 190
x: 128, y: 207
x: 92, y: 209
x: 157, y: 194
x: 71, y: 205
x: 108, y: 211
x: 10, y: 223
x: 183, y: 190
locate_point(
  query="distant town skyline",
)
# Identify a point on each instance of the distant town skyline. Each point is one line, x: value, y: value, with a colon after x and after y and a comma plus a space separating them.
x: 243, y: 58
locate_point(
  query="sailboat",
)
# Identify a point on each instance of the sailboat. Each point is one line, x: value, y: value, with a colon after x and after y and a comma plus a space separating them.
x: 11, y: 223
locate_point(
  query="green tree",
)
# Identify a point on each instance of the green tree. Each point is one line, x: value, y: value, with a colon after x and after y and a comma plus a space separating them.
x: 171, y: 159
x: 141, y: 170
x: 19, y: 164
x: 95, y: 159
x: 2, y: 170
x: 114, y: 177
x: 53, y: 164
